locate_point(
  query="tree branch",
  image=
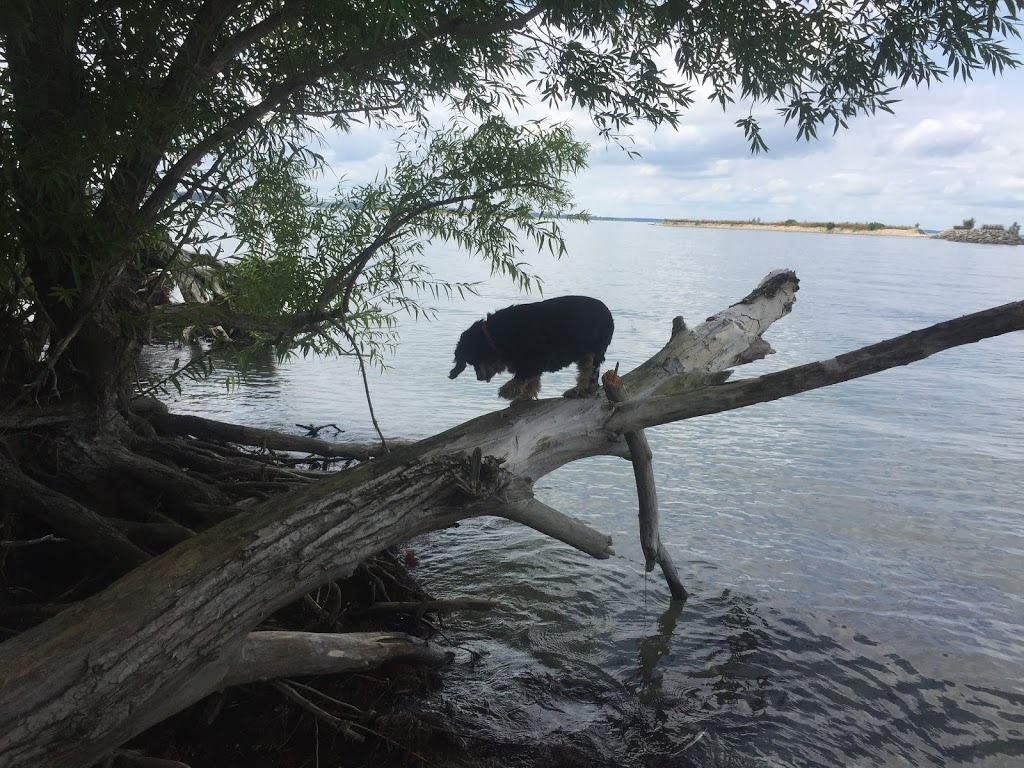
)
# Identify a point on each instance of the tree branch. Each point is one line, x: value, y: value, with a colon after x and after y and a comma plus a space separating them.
x: 247, y: 37
x: 68, y: 518
x: 280, y: 93
x: 865, y: 361
x: 347, y: 277
x: 549, y: 521
x: 342, y: 726
x: 134, y: 174
x: 646, y: 492
x: 213, y: 314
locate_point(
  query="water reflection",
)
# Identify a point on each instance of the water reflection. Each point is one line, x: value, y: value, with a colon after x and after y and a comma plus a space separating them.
x: 210, y: 365
x: 576, y: 657
x: 652, y: 650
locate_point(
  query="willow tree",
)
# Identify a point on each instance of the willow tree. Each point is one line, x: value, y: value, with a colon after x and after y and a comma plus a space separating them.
x: 131, y: 131
x: 134, y: 135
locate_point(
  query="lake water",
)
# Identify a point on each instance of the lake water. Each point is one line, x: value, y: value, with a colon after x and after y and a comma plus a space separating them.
x: 855, y: 555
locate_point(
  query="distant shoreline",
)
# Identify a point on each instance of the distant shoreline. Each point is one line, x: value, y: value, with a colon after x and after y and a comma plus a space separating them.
x: 823, y: 228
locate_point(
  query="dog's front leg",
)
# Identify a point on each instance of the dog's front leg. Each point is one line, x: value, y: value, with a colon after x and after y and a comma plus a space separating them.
x: 520, y: 389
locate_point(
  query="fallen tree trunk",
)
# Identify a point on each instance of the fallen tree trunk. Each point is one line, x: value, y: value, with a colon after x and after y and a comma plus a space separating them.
x: 171, y: 631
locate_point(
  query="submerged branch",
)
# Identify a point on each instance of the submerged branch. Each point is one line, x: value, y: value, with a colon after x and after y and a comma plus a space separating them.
x: 549, y: 521
x: 646, y: 492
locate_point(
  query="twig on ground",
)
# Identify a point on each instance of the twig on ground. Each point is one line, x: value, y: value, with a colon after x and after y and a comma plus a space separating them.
x: 30, y: 542
x: 355, y: 711
x: 342, y: 726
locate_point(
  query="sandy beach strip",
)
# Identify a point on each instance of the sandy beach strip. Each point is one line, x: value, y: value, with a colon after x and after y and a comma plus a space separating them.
x: 837, y: 230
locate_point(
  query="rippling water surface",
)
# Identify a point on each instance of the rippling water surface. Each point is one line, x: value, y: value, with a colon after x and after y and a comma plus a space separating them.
x: 855, y: 554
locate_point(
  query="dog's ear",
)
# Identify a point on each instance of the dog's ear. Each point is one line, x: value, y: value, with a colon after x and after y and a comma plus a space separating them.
x: 459, y: 368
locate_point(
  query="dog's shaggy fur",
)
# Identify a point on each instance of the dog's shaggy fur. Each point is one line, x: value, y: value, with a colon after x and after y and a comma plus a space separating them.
x: 529, y: 339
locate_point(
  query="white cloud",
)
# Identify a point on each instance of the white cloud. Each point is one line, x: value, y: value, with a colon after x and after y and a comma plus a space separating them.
x: 931, y: 136
x: 950, y: 152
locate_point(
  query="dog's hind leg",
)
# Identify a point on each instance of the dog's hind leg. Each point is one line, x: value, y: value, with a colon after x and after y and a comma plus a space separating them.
x: 520, y: 389
x: 586, y: 377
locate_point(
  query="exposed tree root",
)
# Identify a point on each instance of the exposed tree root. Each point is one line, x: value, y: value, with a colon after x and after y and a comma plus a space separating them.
x: 342, y: 726
x: 112, y: 507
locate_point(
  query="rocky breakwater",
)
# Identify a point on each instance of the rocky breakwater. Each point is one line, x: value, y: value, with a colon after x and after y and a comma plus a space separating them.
x: 984, y: 235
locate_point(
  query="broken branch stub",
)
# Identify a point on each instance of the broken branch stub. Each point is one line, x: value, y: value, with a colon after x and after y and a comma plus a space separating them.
x: 703, y: 355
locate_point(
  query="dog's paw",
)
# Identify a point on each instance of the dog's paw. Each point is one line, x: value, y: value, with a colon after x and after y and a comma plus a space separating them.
x: 578, y: 392
x: 511, y: 390
x: 518, y: 389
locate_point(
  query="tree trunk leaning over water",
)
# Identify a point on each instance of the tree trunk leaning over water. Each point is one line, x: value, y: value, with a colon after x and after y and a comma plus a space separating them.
x: 172, y: 630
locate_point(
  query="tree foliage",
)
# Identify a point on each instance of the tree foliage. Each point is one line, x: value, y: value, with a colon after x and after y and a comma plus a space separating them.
x: 133, y: 135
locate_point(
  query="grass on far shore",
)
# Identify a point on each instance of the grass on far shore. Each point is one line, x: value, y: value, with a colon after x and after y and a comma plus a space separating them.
x: 854, y: 226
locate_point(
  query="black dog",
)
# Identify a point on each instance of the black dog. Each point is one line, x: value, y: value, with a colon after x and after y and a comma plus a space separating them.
x: 529, y: 339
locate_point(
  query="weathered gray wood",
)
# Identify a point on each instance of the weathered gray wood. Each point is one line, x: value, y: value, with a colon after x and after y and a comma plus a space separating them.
x: 901, y: 350
x: 169, y: 632
x: 269, y: 655
x: 695, y: 358
x: 549, y: 521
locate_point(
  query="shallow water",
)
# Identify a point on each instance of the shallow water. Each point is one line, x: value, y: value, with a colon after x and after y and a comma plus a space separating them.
x: 854, y: 554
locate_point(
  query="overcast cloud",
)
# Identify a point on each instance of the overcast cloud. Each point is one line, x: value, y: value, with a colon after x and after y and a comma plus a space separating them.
x: 949, y: 153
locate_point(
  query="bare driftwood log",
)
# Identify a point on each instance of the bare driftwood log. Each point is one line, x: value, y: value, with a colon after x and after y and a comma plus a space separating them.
x: 172, y: 630
x: 269, y: 655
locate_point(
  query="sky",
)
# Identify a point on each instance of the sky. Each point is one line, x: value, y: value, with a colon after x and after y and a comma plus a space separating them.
x: 950, y: 152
